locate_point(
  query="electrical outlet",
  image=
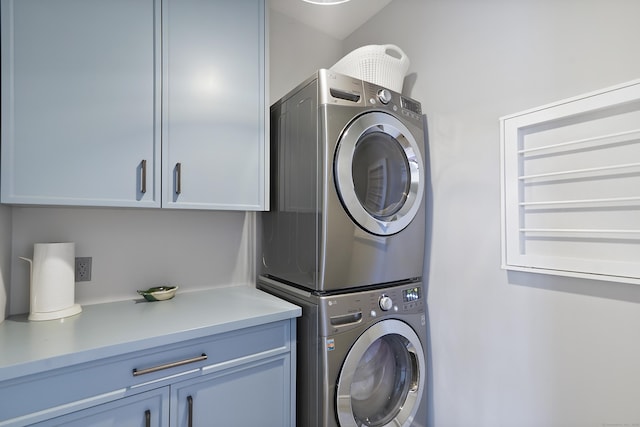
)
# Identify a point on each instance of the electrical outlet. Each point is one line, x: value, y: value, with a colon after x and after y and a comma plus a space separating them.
x: 83, y: 269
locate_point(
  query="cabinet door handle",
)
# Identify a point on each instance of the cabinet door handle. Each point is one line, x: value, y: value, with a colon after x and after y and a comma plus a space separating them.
x: 190, y: 415
x: 143, y: 176
x: 147, y: 418
x: 178, y: 178
x: 137, y: 372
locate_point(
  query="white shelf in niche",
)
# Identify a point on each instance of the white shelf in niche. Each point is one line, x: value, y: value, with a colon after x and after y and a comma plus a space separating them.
x: 571, y: 186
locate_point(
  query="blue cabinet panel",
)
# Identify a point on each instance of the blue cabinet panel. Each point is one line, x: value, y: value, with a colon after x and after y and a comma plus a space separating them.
x: 255, y: 394
x: 213, y: 143
x: 79, y: 110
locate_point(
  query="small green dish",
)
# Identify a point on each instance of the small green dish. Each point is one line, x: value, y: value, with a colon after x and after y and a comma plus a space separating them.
x: 159, y: 293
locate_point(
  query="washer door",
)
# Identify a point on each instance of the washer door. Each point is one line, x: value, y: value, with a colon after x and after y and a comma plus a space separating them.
x: 378, y: 171
x: 383, y: 377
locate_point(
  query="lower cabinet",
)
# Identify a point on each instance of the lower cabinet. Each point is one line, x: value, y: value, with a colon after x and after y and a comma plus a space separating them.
x: 240, y: 378
x: 251, y: 395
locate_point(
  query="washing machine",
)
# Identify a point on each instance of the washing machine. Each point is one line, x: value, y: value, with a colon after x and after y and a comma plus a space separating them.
x: 361, y: 356
x: 347, y: 186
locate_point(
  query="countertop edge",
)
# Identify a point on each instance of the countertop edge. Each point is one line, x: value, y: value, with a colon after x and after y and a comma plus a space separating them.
x: 258, y: 308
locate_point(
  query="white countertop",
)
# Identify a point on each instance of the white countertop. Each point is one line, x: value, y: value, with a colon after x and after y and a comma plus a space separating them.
x: 105, y: 330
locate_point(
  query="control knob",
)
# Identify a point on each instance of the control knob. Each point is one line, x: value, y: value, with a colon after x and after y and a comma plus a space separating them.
x: 384, y: 96
x: 385, y: 303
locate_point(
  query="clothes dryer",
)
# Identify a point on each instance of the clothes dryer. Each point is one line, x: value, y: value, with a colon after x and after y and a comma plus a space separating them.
x: 347, y: 186
x: 361, y: 356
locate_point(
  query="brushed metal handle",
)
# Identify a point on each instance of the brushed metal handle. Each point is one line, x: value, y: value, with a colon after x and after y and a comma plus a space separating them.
x: 143, y: 177
x: 147, y: 418
x: 178, y: 178
x: 190, y: 417
x: 137, y: 372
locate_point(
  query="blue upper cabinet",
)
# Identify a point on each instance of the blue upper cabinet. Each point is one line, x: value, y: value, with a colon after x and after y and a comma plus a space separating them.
x: 80, y: 118
x: 137, y: 103
x: 214, y: 106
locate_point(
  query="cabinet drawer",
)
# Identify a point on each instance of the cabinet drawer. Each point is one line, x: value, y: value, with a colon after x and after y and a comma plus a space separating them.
x: 41, y: 396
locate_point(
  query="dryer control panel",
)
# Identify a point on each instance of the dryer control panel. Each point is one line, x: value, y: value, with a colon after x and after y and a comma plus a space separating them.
x: 338, y: 89
x: 377, y: 96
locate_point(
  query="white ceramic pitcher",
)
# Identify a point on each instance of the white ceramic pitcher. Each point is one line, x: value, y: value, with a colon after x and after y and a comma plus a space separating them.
x: 52, y: 288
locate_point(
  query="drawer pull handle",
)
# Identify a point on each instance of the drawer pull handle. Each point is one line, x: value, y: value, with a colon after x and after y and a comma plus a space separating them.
x: 147, y: 418
x: 137, y: 372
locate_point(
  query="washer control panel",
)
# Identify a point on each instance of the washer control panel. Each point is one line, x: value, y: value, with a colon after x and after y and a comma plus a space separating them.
x: 345, y: 311
x: 403, y: 299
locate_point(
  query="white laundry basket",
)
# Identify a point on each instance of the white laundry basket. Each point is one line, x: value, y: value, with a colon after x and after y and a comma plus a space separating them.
x: 376, y: 64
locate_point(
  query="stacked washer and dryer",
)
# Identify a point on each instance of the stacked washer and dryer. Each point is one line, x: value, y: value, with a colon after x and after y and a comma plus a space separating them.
x: 345, y: 241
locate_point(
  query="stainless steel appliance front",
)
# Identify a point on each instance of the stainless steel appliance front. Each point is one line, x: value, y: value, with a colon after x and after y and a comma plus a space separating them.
x: 361, y: 356
x: 348, y: 179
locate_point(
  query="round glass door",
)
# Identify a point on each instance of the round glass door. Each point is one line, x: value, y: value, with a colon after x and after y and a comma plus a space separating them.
x: 378, y: 170
x: 382, y: 379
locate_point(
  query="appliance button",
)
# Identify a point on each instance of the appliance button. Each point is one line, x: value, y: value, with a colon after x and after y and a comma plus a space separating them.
x: 384, y: 96
x: 385, y: 303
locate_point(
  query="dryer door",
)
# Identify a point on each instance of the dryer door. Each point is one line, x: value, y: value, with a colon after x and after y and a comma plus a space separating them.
x: 383, y: 377
x: 379, y: 173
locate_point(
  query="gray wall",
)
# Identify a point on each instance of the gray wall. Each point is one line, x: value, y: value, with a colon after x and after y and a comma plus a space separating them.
x: 296, y: 52
x: 512, y: 349
x: 136, y: 249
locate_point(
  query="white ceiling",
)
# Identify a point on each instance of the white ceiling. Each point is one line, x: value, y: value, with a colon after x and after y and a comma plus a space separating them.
x: 338, y: 20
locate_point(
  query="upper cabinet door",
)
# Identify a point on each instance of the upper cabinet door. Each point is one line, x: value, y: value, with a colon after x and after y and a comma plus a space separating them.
x: 80, y: 102
x: 214, y: 106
